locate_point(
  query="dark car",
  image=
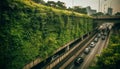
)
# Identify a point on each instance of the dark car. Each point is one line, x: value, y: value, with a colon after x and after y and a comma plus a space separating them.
x: 103, y: 37
x: 105, y: 34
x: 78, y: 61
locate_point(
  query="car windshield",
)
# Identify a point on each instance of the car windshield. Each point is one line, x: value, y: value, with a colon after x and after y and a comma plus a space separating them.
x: 79, y: 59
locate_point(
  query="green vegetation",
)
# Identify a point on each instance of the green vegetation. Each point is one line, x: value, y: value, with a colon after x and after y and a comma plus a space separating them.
x: 58, y: 4
x: 110, y: 57
x: 29, y: 30
x: 78, y: 9
x: 117, y: 13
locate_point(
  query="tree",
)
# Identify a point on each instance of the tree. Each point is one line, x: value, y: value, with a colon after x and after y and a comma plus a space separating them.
x: 109, y: 58
x: 98, y: 14
x: 60, y: 5
x: 39, y: 1
x: 78, y: 9
x: 51, y: 3
x: 70, y: 9
x: 117, y: 14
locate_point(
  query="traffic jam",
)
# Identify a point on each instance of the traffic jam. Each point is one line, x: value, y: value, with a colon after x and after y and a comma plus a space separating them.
x: 104, y: 29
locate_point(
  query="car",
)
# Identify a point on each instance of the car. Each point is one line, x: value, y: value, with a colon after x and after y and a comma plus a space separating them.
x: 98, y: 35
x: 78, y: 61
x: 103, y: 37
x: 96, y: 39
x: 92, y: 44
x: 54, y: 57
x: 87, y: 50
x: 105, y: 34
x: 102, y: 33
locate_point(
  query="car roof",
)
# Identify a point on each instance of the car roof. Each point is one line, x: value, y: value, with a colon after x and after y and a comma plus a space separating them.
x: 86, y: 48
x: 92, y: 42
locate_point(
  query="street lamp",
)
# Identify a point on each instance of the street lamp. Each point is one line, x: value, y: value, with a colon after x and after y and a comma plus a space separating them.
x: 111, y: 3
x: 99, y: 6
x: 104, y: 8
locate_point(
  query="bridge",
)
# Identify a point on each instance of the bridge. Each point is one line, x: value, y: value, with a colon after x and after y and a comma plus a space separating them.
x: 101, y: 19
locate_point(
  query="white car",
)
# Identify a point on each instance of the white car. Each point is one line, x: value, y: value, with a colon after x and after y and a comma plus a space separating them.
x: 87, y: 50
x: 92, y: 44
x: 96, y: 39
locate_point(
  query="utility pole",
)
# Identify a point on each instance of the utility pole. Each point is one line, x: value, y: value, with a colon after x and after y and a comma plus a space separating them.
x: 104, y: 8
x: 99, y: 6
x: 72, y: 5
x: 111, y: 3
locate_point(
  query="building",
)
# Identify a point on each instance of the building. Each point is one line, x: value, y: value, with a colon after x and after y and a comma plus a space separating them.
x: 109, y: 11
x: 90, y: 11
x: 93, y: 11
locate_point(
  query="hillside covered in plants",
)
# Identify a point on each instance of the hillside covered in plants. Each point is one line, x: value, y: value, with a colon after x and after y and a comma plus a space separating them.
x: 29, y: 30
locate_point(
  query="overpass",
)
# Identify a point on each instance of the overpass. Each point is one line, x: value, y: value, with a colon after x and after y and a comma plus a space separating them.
x: 102, y: 19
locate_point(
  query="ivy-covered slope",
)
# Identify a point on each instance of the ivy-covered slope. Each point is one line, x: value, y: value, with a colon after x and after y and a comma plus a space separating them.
x: 29, y: 30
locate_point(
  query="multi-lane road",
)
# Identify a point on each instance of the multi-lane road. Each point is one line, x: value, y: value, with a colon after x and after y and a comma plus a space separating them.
x: 88, y: 58
x: 66, y: 56
x: 68, y: 61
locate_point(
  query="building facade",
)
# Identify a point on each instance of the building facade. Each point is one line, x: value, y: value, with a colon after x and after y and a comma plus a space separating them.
x: 90, y: 11
x: 110, y: 10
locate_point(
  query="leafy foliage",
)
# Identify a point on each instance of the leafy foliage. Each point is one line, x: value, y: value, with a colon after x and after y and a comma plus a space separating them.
x: 117, y: 13
x: 58, y: 4
x: 29, y: 30
x: 78, y: 9
x: 39, y: 1
x: 110, y: 56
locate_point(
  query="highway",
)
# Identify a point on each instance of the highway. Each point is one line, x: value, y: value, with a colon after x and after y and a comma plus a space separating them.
x: 74, y: 53
x: 88, y: 58
x: 67, y: 60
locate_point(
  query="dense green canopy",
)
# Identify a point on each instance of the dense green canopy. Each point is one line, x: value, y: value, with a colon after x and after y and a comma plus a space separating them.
x: 29, y: 30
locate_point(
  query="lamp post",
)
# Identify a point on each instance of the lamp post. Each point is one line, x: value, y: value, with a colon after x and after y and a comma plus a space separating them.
x: 111, y: 3
x: 104, y: 8
x: 72, y: 5
x: 99, y: 6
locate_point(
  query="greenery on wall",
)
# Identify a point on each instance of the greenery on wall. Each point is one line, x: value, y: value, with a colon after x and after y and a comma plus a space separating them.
x: 29, y: 30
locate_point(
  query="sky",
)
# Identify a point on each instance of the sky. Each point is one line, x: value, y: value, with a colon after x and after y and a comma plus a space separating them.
x: 115, y: 4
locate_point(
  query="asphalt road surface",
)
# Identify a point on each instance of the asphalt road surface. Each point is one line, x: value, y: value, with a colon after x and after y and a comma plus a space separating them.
x: 89, y: 57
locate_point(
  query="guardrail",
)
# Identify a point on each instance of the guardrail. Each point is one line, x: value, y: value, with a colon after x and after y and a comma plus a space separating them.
x: 38, y: 64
